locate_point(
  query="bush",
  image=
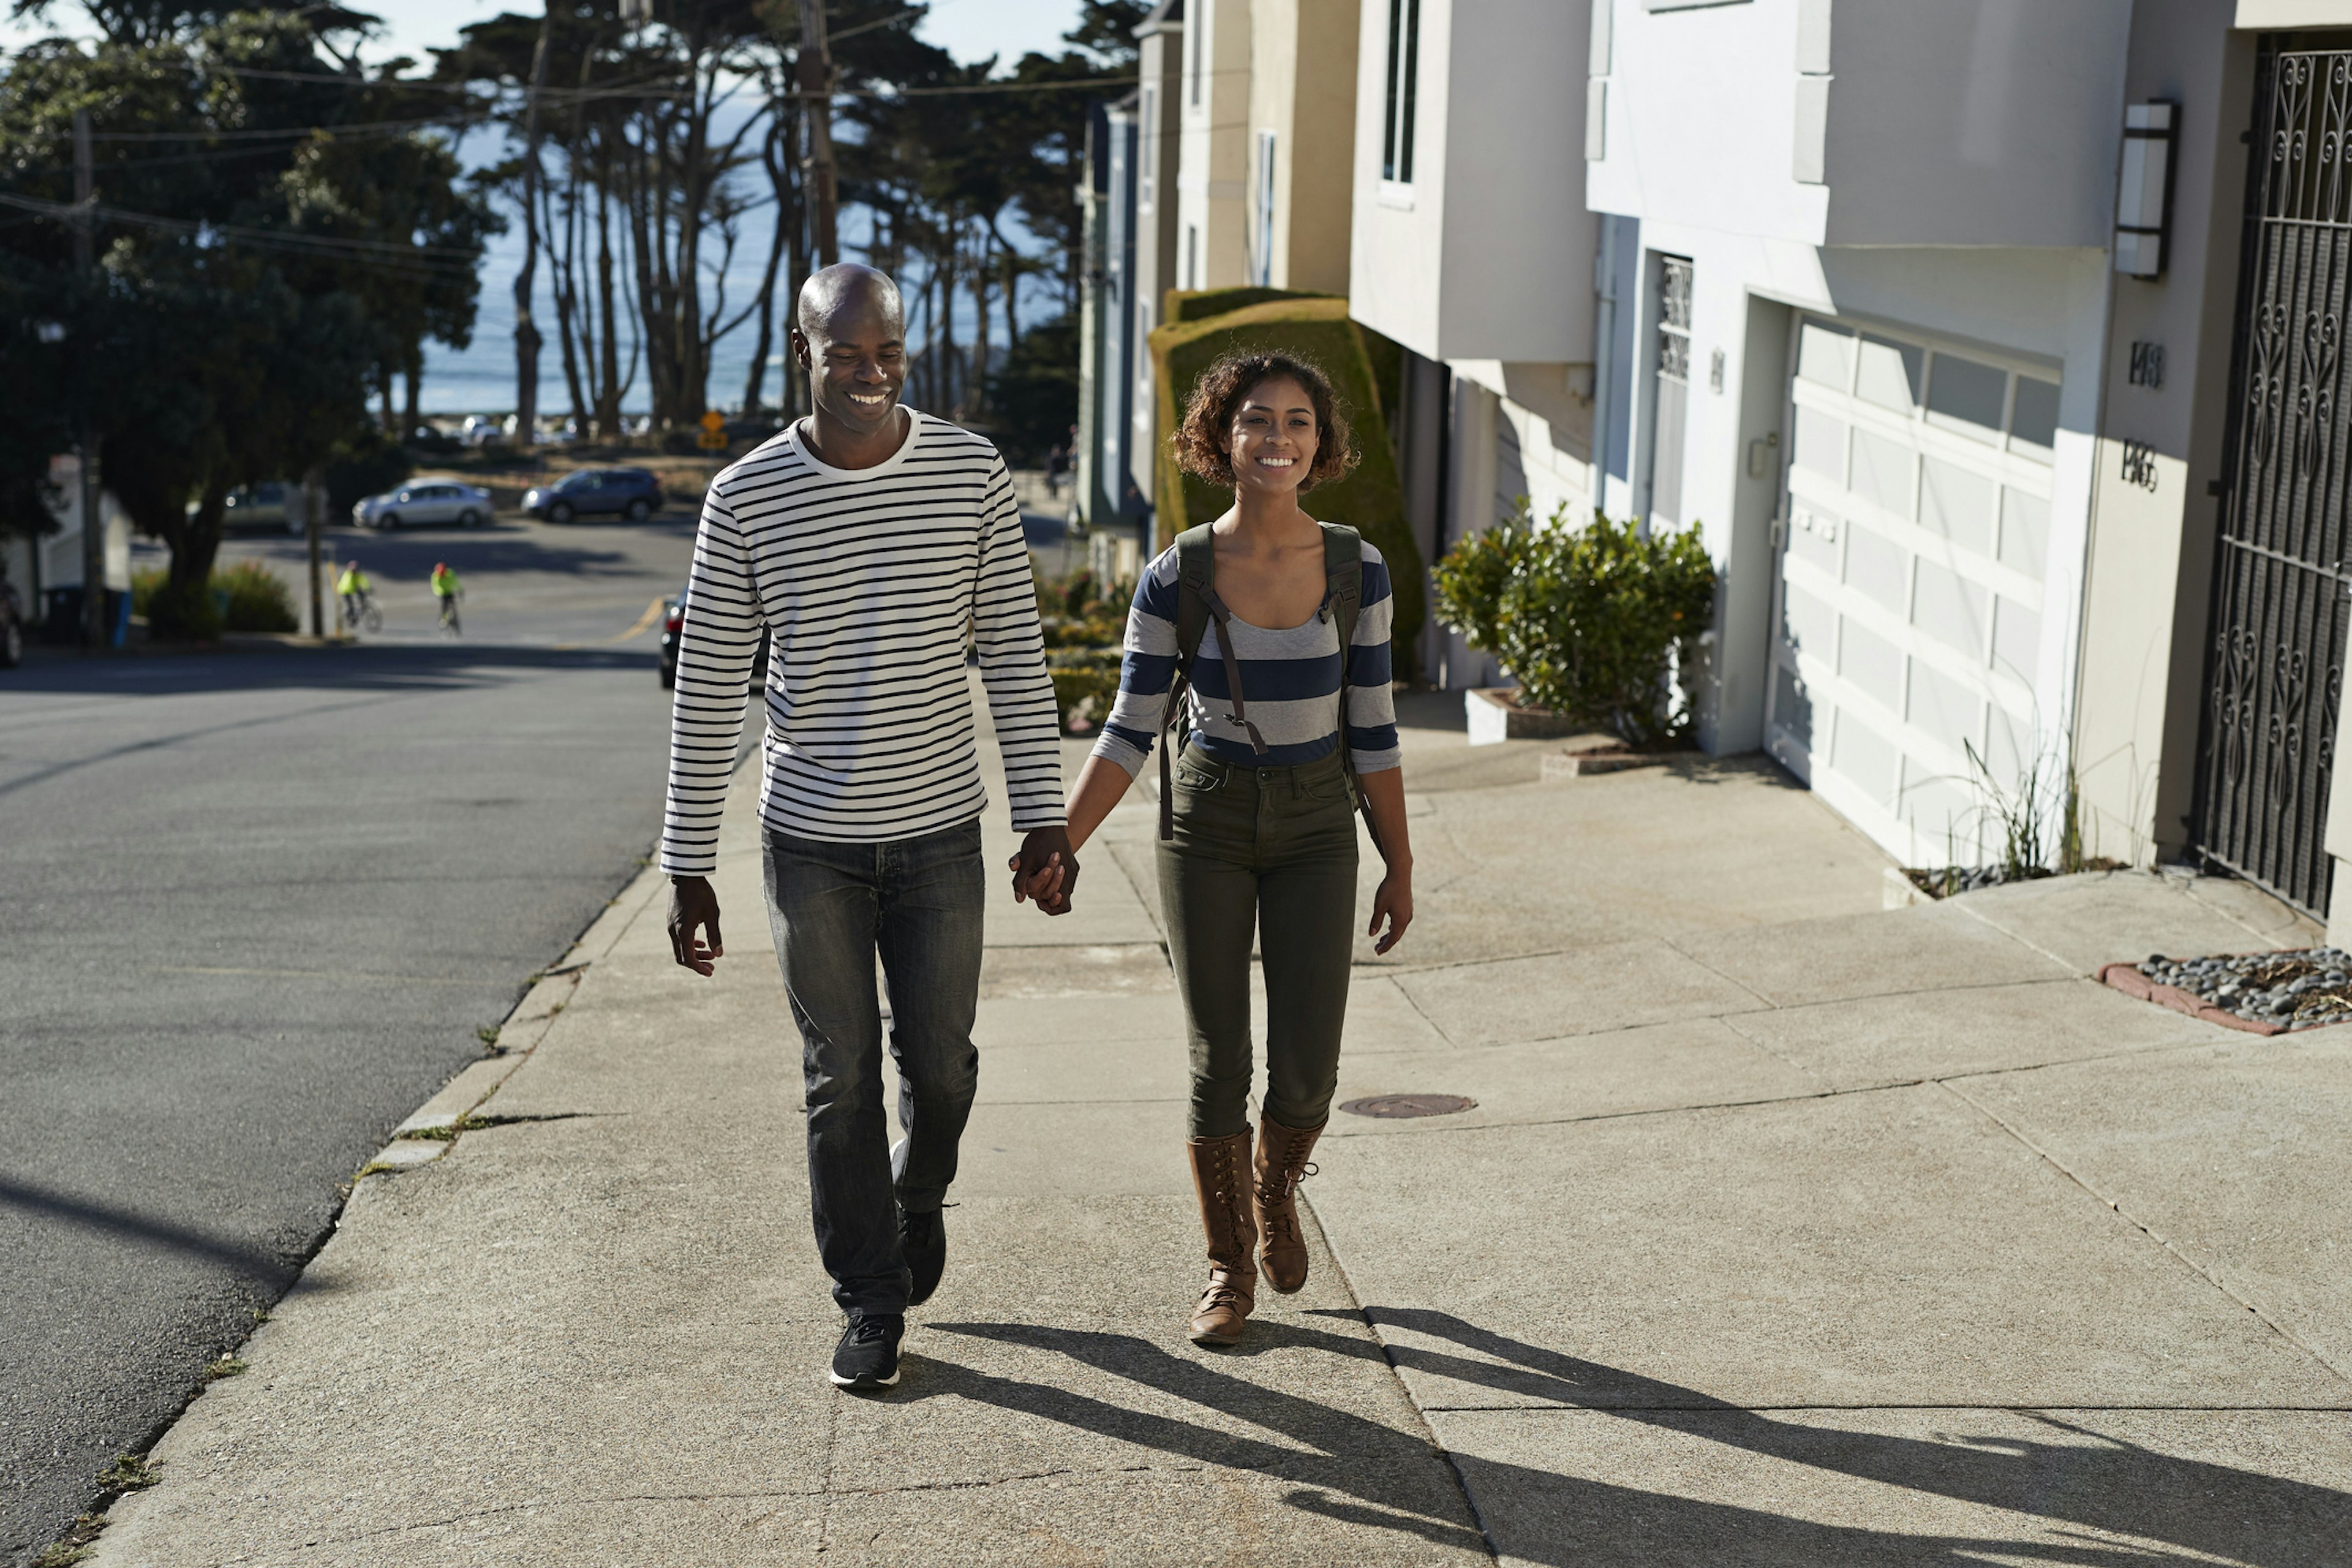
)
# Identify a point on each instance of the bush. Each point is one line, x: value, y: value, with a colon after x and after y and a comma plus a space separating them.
x: 1585, y: 620
x: 245, y: 597
x: 259, y: 599
x: 1086, y: 684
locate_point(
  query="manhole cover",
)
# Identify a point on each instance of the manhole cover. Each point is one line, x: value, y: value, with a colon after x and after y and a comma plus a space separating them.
x: 1401, y: 1105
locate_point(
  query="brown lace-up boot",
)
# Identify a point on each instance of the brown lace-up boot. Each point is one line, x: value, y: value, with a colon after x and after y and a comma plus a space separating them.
x: 1281, y: 1162
x: 1221, y: 1178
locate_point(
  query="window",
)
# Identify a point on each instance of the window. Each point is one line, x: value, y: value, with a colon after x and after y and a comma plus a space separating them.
x: 1191, y: 256
x: 1403, y: 74
x: 1192, y: 61
x: 1673, y: 394
x: 1265, y: 268
x: 1148, y: 147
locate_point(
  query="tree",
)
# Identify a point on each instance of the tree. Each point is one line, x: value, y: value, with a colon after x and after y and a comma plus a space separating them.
x: 251, y: 287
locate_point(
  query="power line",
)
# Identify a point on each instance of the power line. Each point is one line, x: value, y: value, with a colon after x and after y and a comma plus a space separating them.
x: 389, y: 254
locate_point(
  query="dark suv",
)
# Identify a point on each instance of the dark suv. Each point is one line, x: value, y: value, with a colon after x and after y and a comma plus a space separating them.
x: 633, y: 493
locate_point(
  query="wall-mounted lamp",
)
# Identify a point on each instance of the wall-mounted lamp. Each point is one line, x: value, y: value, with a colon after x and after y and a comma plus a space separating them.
x: 2144, y: 201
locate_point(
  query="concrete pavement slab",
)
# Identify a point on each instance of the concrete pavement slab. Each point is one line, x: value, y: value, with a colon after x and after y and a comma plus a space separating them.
x: 1927, y: 947
x: 1897, y: 1246
x: 1085, y: 1072
x: 2112, y: 1488
x: 1662, y: 1066
x: 1068, y: 971
x: 2097, y: 917
x: 1615, y: 985
x: 2234, y: 1154
x: 1971, y: 1029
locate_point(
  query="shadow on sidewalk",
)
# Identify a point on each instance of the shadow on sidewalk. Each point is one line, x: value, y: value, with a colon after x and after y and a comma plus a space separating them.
x: 1363, y: 1472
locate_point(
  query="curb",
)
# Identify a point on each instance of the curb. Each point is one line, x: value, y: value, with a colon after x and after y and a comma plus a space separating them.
x: 429, y: 1132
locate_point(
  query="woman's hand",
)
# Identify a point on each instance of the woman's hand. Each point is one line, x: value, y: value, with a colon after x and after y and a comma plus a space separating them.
x: 1392, y: 903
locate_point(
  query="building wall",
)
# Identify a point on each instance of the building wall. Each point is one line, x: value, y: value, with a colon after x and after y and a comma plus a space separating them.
x: 1303, y: 91
x: 1485, y: 253
x: 2150, y: 559
x: 1159, y: 142
x: 1213, y: 175
x: 1111, y: 493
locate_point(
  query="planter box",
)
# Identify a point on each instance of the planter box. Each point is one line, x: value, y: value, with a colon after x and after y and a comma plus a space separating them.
x: 1496, y: 716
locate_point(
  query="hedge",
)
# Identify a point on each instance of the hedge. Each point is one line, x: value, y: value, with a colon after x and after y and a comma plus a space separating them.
x: 1314, y: 328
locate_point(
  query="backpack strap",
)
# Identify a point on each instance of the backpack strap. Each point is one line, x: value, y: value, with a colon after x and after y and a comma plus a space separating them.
x: 1196, y: 576
x: 1343, y: 601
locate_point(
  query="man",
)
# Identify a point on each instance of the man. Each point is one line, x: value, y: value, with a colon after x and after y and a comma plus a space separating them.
x: 870, y: 542
x: 445, y: 592
x: 354, y: 587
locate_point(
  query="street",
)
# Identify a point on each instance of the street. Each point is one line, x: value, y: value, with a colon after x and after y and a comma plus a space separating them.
x: 255, y: 906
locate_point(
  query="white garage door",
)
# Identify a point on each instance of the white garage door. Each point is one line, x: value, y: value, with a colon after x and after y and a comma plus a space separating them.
x: 1915, y: 540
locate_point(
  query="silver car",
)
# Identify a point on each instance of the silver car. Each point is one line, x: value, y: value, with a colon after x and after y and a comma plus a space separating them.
x: 426, y: 502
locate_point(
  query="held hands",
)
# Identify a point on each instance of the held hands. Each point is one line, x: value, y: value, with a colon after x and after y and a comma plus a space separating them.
x: 1045, y: 871
x: 1392, y: 903
x: 693, y: 904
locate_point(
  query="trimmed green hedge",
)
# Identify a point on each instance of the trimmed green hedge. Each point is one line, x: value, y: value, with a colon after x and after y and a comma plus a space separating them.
x: 1314, y: 328
x: 1200, y: 304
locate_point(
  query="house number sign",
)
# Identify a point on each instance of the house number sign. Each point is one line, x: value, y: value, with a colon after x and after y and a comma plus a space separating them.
x: 2139, y: 465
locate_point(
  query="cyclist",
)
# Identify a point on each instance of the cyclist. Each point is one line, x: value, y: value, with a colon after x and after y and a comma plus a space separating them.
x: 354, y: 587
x: 447, y: 590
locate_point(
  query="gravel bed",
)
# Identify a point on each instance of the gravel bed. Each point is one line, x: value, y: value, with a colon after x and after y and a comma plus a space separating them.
x: 1943, y: 881
x: 2297, y: 990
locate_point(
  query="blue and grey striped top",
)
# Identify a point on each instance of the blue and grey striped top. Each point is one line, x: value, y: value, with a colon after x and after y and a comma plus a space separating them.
x: 1290, y: 681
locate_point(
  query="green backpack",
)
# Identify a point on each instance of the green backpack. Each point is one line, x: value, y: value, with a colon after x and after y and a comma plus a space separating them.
x: 1197, y: 603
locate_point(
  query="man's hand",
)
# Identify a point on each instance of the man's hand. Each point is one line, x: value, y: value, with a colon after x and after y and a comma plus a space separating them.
x: 693, y: 905
x: 1045, y: 870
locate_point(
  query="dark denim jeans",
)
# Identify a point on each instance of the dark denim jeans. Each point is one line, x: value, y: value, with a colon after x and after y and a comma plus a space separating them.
x: 1274, y: 851
x: 917, y: 902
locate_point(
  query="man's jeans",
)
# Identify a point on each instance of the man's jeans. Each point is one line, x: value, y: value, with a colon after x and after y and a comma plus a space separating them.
x: 917, y: 901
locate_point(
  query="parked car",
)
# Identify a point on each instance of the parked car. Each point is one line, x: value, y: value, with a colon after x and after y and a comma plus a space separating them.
x: 428, y: 501
x: 12, y: 628
x: 673, y: 618
x: 477, y: 431
x: 259, y: 506
x: 634, y: 493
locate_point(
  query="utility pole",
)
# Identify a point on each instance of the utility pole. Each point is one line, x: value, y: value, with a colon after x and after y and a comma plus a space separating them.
x: 94, y: 630
x: 527, y: 338
x: 816, y: 94
x: 314, y: 516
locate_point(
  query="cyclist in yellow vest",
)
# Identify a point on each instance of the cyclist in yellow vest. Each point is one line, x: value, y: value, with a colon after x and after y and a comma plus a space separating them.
x: 447, y: 590
x: 354, y: 587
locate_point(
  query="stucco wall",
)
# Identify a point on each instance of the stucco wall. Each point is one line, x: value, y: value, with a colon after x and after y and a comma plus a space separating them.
x: 1975, y: 121
x: 1302, y: 88
x: 1213, y: 175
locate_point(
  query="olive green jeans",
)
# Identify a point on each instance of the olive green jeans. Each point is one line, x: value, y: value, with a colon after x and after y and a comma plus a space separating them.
x: 1273, y: 849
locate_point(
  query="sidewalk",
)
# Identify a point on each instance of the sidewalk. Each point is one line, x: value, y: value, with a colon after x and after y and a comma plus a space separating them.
x: 1784, y: 1230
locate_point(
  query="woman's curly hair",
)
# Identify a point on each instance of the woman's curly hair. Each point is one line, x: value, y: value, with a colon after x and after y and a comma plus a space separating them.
x: 1199, y: 440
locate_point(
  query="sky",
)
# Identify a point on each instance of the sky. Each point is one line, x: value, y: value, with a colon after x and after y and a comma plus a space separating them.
x: 480, y: 378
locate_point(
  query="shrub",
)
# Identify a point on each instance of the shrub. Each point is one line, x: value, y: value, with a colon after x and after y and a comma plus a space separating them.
x: 259, y: 599
x: 1586, y: 620
x: 245, y: 597
x: 1086, y: 684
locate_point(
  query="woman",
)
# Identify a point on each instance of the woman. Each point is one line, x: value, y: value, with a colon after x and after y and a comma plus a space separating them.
x: 1259, y: 827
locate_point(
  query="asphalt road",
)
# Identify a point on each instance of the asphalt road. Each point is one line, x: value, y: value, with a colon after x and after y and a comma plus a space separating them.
x: 254, y: 906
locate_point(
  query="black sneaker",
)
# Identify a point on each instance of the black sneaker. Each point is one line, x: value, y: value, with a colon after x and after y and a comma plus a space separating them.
x: 924, y: 1240
x: 867, y: 1356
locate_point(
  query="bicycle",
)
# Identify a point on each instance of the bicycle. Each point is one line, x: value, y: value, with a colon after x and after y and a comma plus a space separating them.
x: 449, y: 615
x: 360, y: 613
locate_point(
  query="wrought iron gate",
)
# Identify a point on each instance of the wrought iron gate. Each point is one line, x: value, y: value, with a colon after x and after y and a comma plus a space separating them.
x: 2275, y: 666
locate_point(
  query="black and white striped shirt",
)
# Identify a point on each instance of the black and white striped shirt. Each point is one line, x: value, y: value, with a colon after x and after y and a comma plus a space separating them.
x: 872, y: 582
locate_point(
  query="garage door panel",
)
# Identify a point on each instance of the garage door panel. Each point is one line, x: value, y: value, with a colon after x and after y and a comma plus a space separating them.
x: 1911, y: 571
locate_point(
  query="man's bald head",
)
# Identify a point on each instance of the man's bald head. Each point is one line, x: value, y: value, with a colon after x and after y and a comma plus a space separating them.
x: 835, y: 294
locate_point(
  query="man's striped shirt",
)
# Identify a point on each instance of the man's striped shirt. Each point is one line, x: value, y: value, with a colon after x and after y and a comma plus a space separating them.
x: 871, y: 582
x: 1290, y: 681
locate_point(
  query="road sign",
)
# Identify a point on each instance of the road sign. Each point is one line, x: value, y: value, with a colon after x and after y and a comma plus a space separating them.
x: 713, y: 440
x: 713, y: 421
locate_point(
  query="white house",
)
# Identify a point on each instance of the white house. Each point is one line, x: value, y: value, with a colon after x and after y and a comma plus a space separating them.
x: 1931, y: 315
